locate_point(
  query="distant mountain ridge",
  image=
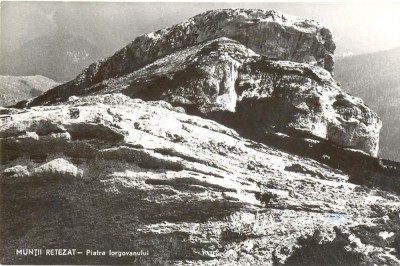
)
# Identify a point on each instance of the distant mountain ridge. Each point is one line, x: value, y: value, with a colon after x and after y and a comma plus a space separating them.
x: 17, y: 88
x: 60, y: 57
x: 375, y: 77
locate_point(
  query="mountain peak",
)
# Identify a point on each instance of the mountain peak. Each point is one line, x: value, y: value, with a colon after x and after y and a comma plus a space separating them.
x: 270, y: 33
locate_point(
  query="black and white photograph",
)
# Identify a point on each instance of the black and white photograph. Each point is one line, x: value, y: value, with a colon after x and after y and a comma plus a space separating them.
x: 200, y: 133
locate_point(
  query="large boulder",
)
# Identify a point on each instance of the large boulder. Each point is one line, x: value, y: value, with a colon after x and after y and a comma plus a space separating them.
x: 112, y: 173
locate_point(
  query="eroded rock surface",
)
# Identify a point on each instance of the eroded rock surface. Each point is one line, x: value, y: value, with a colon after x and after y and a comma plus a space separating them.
x: 109, y: 172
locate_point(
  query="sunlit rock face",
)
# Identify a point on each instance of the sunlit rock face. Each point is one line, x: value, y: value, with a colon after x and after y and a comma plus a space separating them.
x: 270, y: 33
x: 108, y: 172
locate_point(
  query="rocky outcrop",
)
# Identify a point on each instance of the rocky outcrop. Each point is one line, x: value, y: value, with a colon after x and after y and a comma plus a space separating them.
x: 264, y: 95
x: 109, y: 172
x: 270, y: 33
x: 272, y: 70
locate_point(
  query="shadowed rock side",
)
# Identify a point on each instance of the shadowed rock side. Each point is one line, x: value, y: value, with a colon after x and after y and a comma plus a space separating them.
x: 265, y: 95
x: 270, y: 33
x: 108, y: 172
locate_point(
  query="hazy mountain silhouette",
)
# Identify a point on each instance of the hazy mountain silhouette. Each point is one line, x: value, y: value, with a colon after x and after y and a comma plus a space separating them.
x: 59, y: 56
x: 17, y: 88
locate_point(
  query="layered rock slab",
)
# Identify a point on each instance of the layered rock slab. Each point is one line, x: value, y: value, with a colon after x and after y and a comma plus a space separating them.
x: 108, y: 172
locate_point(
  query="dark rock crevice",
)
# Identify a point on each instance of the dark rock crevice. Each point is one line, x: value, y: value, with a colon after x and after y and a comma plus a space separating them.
x: 313, y: 252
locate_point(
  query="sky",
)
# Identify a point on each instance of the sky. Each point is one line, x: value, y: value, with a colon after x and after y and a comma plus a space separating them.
x: 358, y: 27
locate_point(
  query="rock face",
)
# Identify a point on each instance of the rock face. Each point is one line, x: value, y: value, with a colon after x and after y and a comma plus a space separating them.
x: 224, y: 75
x: 109, y: 172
